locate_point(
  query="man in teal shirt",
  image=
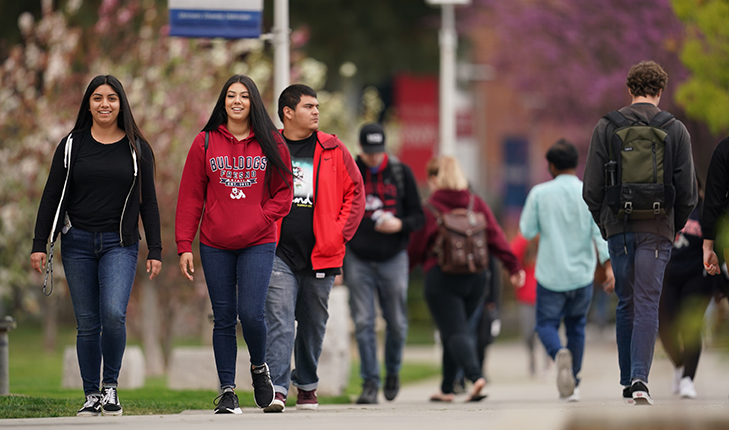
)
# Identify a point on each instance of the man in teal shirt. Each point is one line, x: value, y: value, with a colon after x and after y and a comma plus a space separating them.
x: 566, y: 260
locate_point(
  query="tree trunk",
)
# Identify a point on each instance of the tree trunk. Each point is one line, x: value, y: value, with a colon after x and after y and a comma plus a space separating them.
x: 50, y: 322
x: 154, y: 359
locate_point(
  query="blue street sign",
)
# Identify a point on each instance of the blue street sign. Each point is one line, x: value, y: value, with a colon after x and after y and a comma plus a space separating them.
x: 230, y: 19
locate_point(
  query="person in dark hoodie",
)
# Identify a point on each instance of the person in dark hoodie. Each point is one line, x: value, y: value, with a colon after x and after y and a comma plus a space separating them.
x: 238, y: 178
x: 101, y: 181
x: 687, y: 292
x: 639, y: 248
x: 453, y: 299
x: 376, y: 265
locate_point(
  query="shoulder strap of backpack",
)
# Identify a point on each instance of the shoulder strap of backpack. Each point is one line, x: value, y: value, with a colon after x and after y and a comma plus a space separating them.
x: 617, y: 120
x: 397, y: 171
x: 207, y: 137
x: 432, y: 209
x: 662, y: 119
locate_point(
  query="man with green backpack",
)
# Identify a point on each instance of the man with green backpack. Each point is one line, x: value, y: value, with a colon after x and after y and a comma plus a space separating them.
x: 640, y: 187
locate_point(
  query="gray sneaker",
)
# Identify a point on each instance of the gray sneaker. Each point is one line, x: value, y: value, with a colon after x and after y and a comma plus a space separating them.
x: 369, y: 393
x: 392, y: 387
x: 565, y: 378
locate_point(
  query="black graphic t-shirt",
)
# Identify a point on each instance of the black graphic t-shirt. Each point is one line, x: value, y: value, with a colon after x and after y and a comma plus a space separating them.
x: 100, y: 182
x: 297, y: 228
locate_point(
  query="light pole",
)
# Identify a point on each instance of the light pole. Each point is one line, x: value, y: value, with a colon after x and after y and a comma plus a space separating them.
x: 447, y: 106
x: 281, y: 47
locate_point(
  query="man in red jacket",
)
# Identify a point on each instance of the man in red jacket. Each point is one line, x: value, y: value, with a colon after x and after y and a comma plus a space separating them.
x: 326, y: 210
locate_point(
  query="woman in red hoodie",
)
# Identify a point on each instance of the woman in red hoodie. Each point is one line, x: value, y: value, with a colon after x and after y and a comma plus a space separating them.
x: 237, y: 177
x: 453, y: 299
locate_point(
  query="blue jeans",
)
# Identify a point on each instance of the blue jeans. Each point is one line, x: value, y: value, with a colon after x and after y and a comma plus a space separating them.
x: 296, y: 314
x: 388, y: 280
x: 100, y: 274
x: 237, y: 283
x: 572, y: 305
x: 639, y: 293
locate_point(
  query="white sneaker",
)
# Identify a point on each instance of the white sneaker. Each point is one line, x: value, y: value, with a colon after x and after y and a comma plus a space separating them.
x: 677, y: 376
x: 575, y: 397
x: 687, y: 390
x: 565, y: 378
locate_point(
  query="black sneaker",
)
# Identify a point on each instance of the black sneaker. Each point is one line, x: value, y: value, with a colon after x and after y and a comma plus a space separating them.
x: 263, y: 393
x: 369, y: 393
x: 110, y: 402
x: 628, y: 395
x: 640, y: 393
x: 392, y: 386
x: 227, y: 403
x: 92, y: 406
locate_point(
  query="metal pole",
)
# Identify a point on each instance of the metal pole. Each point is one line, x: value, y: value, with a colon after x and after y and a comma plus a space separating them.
x: 5, y: 326
x: 448, y: 45
x: 281, y: 47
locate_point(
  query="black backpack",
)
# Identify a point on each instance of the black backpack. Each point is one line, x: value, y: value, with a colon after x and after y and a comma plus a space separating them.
x: 639, y: 174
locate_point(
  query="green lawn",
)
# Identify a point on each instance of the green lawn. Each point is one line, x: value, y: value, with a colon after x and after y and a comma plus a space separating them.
x: 35, y: 384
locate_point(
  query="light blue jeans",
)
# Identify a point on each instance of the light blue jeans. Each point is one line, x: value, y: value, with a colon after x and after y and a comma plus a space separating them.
x: 100, y: 274
x: 296, y: 316
x: 572, y: 306
x: 638, y: 282
x: 388, y: 281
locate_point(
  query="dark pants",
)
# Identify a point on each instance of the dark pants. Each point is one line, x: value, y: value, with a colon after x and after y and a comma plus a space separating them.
x: 680, y: 317
x: 452, y: 300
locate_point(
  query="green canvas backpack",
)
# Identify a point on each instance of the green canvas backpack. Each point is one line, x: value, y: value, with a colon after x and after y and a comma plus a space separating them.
x: 639, y: 174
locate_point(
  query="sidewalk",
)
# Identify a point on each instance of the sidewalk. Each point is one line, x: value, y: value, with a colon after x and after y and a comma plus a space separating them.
x: 515, y: 401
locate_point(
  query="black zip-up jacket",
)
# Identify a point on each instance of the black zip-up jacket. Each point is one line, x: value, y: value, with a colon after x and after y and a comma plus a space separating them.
x: 383, y: 193
x: 684, y: 179
x: 61, y: 171
x: 717, y: 190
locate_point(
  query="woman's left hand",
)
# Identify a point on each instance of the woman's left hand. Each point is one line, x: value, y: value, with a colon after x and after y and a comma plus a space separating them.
x: 153, y: 268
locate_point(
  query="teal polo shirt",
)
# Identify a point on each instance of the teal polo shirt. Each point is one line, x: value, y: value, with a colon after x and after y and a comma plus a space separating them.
x: 568, y: 236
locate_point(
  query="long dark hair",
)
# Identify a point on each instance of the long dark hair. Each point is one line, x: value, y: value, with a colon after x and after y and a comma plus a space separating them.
x: 124, y: 121
x: 265, y: 131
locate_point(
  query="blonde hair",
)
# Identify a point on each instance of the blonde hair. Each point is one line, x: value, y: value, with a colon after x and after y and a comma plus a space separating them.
x: 447, y: 172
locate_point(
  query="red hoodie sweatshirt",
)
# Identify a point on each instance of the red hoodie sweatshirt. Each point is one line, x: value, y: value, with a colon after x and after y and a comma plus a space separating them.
x: 228, y: 181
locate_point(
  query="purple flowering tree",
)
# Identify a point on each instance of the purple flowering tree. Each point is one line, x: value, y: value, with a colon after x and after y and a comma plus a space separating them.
x: 573, y: 55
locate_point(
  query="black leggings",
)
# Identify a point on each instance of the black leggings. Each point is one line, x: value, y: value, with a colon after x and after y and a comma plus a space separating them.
x: 681, y: 315
x: 452, y: 299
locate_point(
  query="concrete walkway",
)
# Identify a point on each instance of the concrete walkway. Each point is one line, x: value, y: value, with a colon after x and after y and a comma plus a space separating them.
x: 515, y: 401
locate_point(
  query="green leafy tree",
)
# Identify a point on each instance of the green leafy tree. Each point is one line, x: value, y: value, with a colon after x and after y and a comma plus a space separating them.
x: 705, y: 94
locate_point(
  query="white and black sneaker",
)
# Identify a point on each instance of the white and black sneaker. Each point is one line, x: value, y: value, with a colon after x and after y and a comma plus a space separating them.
x: 640, y: 393
x: 110, y: 402
x: 263, y: 393
x: 227, y: 402
x: 92, y: 406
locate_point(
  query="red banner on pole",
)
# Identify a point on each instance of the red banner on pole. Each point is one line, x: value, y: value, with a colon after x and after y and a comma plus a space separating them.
x: 416, y: 100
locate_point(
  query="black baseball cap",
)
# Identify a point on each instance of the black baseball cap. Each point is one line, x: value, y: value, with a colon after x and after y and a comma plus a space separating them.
x: 372, y: 138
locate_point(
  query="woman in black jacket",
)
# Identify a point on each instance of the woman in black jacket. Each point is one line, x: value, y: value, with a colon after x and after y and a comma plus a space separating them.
x: 101, y: 181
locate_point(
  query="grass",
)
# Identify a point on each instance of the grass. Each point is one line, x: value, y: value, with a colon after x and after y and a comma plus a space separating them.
x: 35, y: 384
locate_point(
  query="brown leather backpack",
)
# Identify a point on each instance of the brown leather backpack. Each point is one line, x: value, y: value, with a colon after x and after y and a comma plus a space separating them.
x: 461, y: 245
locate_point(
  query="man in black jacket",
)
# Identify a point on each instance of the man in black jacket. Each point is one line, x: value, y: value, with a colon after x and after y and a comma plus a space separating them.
x: 376, y: 264
x: 639, y: 248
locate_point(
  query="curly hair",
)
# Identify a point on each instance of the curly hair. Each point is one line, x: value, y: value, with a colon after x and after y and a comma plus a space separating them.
x: 646, y: 79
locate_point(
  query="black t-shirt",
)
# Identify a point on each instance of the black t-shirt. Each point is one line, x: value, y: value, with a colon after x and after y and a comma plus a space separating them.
x: 100, y: 182
x: 297, y: 228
